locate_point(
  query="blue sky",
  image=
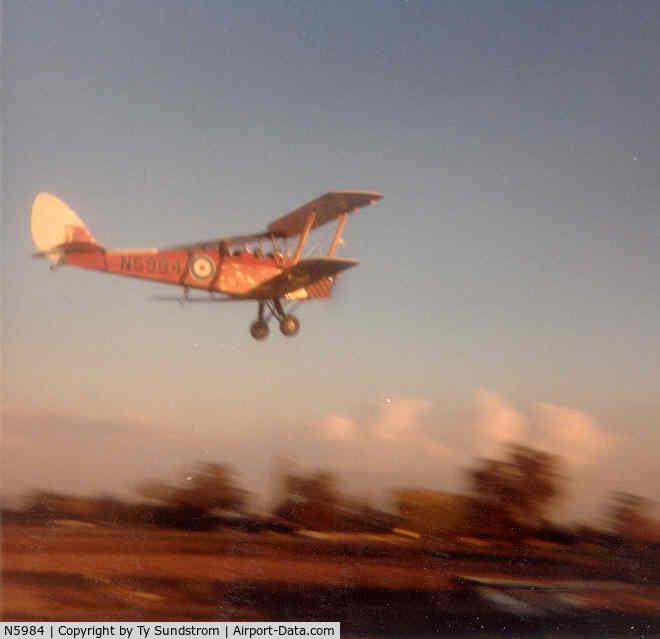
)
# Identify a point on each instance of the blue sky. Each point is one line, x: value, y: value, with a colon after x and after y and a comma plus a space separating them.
x: 513, y: 265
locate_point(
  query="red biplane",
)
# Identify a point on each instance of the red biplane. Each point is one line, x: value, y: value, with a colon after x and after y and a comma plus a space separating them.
x: 229, y: 268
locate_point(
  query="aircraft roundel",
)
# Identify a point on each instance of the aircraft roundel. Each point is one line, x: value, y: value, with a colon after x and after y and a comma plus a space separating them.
x: 202, y: 267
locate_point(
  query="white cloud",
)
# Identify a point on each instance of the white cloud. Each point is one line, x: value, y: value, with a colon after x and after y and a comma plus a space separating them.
x: 400, y: 423
x: 390, y: 447
x: 574, y: 435
x: 399, y: 419
x: 497, y: 424
x: 339, y: 428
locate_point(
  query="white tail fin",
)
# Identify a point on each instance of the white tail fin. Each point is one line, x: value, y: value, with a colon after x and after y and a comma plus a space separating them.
x: 54, y: 225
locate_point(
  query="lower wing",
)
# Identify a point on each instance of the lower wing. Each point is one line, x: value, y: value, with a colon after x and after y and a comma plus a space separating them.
x: 300, y: 275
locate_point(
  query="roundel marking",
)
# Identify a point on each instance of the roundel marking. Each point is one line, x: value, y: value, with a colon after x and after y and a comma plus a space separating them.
x: 202, y: 267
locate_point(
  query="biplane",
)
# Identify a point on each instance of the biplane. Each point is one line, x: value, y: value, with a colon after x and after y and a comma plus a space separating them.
x: 228, y: 269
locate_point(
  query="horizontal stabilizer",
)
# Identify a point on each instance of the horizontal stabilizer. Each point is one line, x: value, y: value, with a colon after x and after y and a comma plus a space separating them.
x: 301, y: 274
x: 70, y: 247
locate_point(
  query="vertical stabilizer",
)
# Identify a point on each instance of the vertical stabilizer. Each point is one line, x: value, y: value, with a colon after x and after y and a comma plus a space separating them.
x: 54, y: 225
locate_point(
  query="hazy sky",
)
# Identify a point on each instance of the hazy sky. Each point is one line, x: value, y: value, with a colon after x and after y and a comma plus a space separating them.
x: 510, y: 279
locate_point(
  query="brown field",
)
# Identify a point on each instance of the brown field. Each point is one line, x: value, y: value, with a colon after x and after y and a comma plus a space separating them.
x: 373, y: 584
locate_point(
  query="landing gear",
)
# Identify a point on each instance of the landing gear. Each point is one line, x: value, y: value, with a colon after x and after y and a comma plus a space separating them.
x: 289, y: 324
x: 259, y: 329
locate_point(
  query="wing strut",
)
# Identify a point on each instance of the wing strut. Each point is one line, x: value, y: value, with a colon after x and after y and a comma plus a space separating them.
x: 336, y: 239
x: 303, y: 236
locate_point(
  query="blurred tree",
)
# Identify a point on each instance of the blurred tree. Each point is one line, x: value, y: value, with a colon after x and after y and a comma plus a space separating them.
x: 320, y: 487
x: 517, y: 490
x: 627, y: 514
x: 211, y: 487
x: 312, y: 501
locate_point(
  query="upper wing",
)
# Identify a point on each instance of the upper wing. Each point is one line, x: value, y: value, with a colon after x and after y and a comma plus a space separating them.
x: 327, y: 208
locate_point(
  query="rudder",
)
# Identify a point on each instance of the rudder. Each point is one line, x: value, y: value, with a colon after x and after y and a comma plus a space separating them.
x: 55, y: 225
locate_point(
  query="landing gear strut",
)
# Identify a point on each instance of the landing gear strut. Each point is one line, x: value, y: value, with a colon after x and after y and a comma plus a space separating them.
x: 289, y: 324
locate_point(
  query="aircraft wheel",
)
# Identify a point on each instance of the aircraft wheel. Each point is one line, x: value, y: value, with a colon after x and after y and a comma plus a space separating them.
x: 290, y: 325
x: 259, y: 329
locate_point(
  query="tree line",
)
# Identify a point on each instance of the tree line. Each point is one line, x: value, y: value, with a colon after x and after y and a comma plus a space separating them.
x: 508, y: 497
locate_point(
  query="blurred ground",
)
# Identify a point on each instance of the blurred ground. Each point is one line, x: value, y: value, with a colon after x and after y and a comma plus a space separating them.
x: 375, y: 585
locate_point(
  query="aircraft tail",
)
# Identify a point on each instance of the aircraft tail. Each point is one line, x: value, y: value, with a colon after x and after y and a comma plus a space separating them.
x: 57, y: 230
